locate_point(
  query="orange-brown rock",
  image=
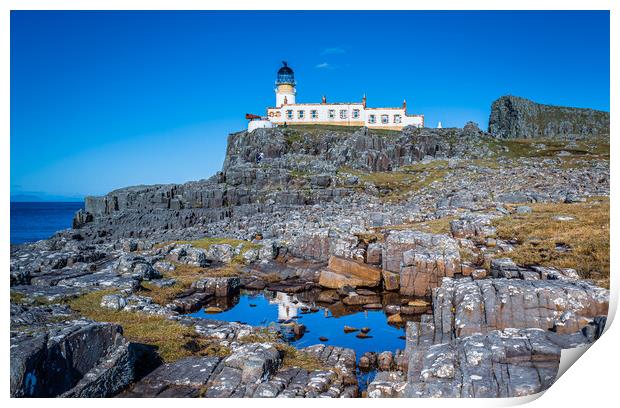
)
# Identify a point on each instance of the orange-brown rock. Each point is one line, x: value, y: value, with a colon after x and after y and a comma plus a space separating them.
x: 391, y: 280
x: 422, y: 260
x: 343, y: 271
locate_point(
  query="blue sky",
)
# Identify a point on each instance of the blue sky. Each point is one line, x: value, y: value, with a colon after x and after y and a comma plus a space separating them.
x: 102, y: 100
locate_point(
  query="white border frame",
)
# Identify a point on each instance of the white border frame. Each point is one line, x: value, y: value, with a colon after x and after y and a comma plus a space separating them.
x: 591, y: 383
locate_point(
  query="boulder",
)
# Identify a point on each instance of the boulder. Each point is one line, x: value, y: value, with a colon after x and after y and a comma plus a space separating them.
x: 391, y: 280
x: 114, y: 302
x: 347, y: 272
x: 385, y: 361
x: 343, y: 359
x: 218, y: 286
x: 373, y: 254
x: 220, y: 253
x: 463, y: 307
x: 257, y: 361
x: 497, y: 364
x: 472, y: 225
x: 187, y: 254
x: 181, y: 378
x: 422, y: 260
x: 387, y: 384
x: 95, y: 357
x: 137, y: 267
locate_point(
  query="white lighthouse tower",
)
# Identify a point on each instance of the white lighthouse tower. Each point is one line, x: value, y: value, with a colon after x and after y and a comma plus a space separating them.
x: 285, y: 86
x: 287, y: 112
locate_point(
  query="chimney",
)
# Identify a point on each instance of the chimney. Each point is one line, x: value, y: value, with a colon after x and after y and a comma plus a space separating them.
x: 404, y: 104
x: 324, y: 100
x: 364, y: 101
x: 285, y: 100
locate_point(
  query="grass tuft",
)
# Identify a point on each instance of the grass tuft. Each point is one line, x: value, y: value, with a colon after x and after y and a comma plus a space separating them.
x: 293, y: 357
x: 185, y: 275
x: 581, y: 243
x: 395, y: 186
x: 172, y: 339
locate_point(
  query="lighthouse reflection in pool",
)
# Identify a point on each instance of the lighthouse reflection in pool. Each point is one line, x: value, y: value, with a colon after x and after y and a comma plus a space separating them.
x: 321, y: 321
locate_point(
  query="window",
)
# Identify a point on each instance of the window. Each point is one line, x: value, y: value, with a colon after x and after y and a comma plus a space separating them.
x: 356, y: 113
x: 372, y: 119
x: 301, y: 114
x: 385, y: 119
x: 332, y: 113
x: 396, y: 118
x: 289, y: 114
x: 343, y: 114
x: 314, y: 114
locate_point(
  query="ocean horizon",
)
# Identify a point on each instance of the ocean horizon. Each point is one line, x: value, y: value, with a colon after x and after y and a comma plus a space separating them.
x: 32, y: 221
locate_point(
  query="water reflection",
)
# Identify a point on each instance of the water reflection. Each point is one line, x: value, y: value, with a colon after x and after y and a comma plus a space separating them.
x: 287, y: 305
x: 304, y: 318
x: 321, y: 320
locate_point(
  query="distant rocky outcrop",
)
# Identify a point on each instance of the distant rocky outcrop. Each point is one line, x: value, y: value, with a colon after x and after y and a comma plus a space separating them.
x: 513, y: 117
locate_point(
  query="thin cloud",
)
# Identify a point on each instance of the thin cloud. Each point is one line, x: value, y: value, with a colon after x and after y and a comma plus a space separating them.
x: 323, y: 65
x: 333, y: 50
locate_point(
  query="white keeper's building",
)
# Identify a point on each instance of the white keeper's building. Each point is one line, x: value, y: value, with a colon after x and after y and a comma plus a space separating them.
x: 287, y: 111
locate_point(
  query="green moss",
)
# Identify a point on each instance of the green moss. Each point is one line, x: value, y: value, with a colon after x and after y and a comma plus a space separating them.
x: 292, y: 137
x: 17, y: 298
x: 321, y: 129
x: 300, y: 174
x: 20, y: 298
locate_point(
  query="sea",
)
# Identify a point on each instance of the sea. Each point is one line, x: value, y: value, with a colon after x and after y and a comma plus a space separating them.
x: 34, y: 221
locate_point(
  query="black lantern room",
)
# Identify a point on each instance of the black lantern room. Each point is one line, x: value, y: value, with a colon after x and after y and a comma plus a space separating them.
x: 285, y: 75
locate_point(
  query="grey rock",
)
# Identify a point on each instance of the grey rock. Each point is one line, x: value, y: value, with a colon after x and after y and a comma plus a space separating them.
x: 55, y: 361
x: 114, y: 302
x: 184, y: 377
x: 463, y: 307
x: 518, y: 118
x: 220, y: 286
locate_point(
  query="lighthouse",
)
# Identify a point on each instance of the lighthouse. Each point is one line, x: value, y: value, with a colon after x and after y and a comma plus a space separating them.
x: 287, y: 112
x: 285, y: 86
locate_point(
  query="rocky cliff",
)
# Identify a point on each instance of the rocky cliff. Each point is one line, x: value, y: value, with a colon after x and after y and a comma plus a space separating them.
x: 519, y: 118
x: 300, y: 167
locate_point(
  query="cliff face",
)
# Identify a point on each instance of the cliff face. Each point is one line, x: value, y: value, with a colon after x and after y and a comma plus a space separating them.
x: 300, y: 166
x: 513, y: 117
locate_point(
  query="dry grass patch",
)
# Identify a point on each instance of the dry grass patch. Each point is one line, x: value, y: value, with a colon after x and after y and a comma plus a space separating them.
x: 371, y: 237
x: 581, y: 243
x: 293, y: 357
x: 594, y: 147
x: 172, y: 339
x: 394, y: 186
x: 185, y: 275
x: 438, y: 226
x: 260, y: 336
x: 17, y: 298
